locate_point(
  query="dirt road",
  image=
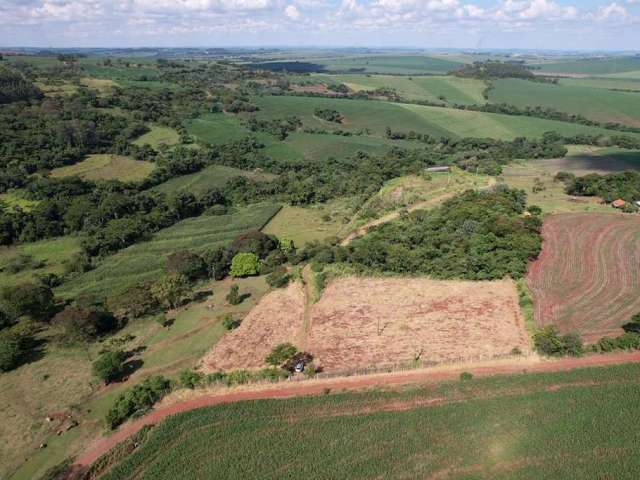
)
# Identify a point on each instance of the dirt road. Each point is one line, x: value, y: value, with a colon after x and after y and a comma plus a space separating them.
x: 315, y: 387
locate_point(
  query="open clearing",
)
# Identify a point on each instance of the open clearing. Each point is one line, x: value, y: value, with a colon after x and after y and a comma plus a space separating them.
x: 586, y: 278
x: 106, y: 167
x: 367, y: 322
x: 364, y: 322
x: 157, y: 136
x: 278, y: 318
x: 540, y: 426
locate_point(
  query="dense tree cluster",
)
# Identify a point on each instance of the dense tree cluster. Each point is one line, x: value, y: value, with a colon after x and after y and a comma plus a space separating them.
x: 492, y: 69
x: 475, y: 236
x: 328, y: 114
x: 15, y: 87
x: 625, y: 185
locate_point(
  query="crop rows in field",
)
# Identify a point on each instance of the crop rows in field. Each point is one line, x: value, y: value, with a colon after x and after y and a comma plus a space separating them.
x: 521, y: 427
x: 146, y: 259
x: 586, y: 278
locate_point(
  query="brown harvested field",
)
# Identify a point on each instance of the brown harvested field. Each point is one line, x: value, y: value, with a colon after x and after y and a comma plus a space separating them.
x: 364, y: 322
x: 278, y: 318
x: 586, y: 278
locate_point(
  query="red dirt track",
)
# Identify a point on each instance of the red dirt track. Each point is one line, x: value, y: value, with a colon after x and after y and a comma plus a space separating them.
x: 316, y: 387
x: 586, y: 279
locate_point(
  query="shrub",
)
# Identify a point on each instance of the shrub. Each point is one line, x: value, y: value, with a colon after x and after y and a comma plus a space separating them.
x: 109, y: 366
x: 238, y: 377
x: 254, y: 242
x: 171, y: 290
x: 466, y: 376
x: 549, y: 342
x: 281, y: 354
x: 244, y: 265
x: 191, y: 378
x: 278, y: 278
x: 186, y: 263
x: 298, y: 357
x: 234, y: 297
x: 534, y: 210
x: 634, y: 325
x: 135, y: 302
x: 34, y: 300
x: 328, y: 114
x: 14, y: 344
x: 77, y: 324
x: 137, y: 400
x: 230, y: 323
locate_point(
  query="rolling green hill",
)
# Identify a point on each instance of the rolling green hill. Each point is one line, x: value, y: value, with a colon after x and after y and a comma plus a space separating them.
x: 594, y: 103
x: 595, y: 66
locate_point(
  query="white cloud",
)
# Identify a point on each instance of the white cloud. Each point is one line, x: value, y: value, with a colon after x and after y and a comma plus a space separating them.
x: 292, y: 12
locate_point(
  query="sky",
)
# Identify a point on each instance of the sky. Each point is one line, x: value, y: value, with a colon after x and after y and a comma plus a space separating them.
x: 478, y: 24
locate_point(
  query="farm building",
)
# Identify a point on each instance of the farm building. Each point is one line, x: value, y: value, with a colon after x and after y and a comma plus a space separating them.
x: 439, y: 169
x: 619, y: 203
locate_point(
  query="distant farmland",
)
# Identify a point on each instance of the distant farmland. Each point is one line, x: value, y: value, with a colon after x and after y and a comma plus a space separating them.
x: 586, y: 279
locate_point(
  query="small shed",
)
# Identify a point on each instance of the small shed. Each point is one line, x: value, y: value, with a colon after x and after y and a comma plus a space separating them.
x: 439, y: 169
x: 619, y: 203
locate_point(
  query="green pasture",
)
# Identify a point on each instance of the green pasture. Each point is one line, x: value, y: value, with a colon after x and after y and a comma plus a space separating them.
x: 217, y: 128
x: 106, y: 167
x: 593, y: 66
x: 158, y: 135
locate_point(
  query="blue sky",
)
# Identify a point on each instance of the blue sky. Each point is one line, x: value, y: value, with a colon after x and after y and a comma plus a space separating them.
x: 548, y: 24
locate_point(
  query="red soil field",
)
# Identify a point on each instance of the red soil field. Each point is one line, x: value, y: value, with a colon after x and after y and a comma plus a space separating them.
x: 373, y: 322
x: 586, y: 278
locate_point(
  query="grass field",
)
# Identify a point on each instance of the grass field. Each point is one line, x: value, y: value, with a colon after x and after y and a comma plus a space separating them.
x: 454, y: 89
x: 157, y: 136
x: 586, y: 277
x: 377, y: 116
x: 389, y: 64
x: 217, y: 128
x: 210, y: 178
x: 544, y: 426
x: 27, y: 398
x: 305, y: 224
x: 603, y: 82
x: 106, y: 167
x: 604, y: 66
x: 53, y: 253
x: 146, y: 260
x: 593, y: 103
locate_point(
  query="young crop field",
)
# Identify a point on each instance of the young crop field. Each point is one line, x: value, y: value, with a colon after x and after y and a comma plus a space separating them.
x: 146, y: 260
x: 586, y: 278
x: 106, y: 167
x: 159, y: 135
x: 217, y: 128
x: 585, y: 66
x: 390, y: 64
x: 377, y: 116
x: 210, y: 178
x: 525, y: 427
x: 593, y: 103
x: 278, y: 318
x: 365, y: 322
x: 432, y: 88
x: 603, y: 82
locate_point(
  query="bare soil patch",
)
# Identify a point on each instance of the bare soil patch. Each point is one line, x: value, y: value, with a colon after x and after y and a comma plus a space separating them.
x: 278, y: 318
x: 364, y: 322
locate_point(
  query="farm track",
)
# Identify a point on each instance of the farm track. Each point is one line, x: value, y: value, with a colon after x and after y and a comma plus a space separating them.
x: 316, y: 387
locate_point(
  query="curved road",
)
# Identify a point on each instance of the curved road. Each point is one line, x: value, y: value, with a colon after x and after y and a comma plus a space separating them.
x: 315, y: 387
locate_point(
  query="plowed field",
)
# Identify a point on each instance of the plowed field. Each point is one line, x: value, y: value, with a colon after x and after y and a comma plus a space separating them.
x: 586, y: 278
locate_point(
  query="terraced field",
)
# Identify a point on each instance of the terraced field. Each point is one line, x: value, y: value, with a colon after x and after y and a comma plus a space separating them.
x: 146, y: 259
x: 586, y: 278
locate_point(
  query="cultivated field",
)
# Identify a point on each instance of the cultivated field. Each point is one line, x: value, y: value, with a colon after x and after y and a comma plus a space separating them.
x: 594, y: 103
x: 602, y: 66
x: 586, y: 278
x: 525, y: 427
x: 278, y: 318
x: 371, y: 322
x: 146, y: 260
x: 106, y: 167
